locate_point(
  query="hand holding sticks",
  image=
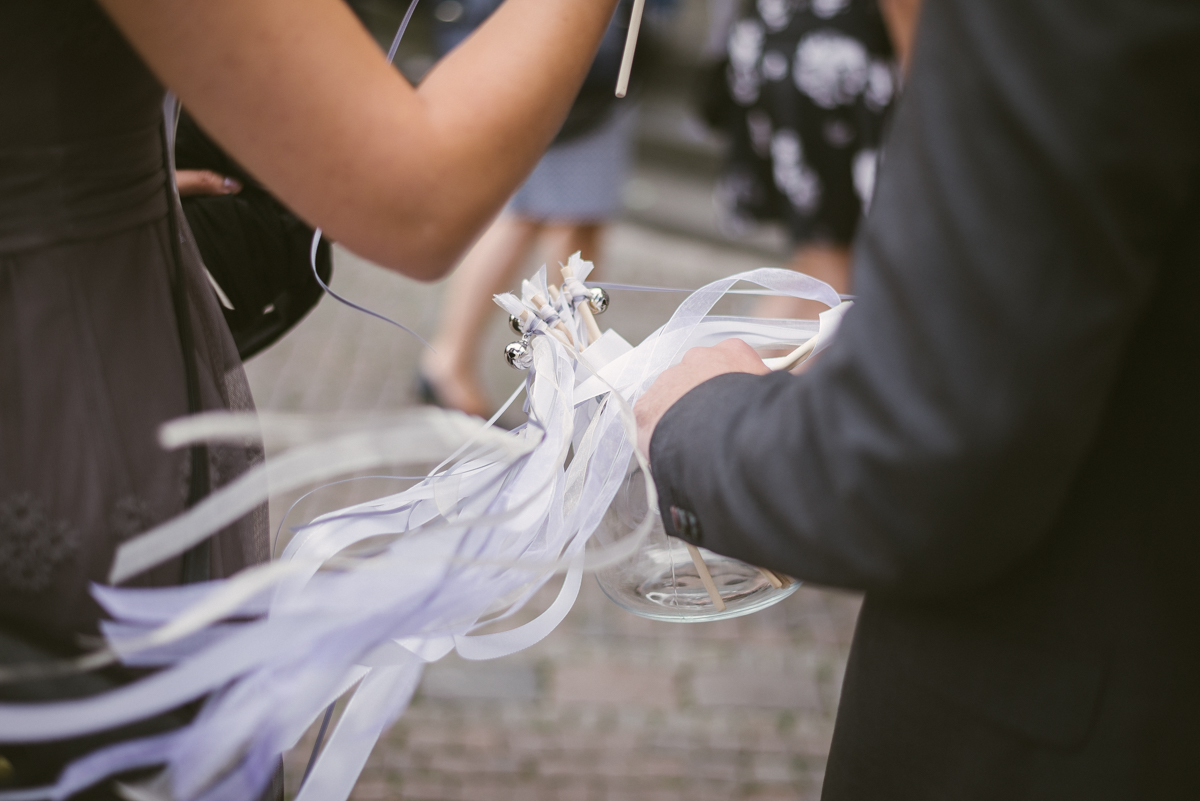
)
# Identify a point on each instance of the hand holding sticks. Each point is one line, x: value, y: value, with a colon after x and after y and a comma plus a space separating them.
x: 576, y: 298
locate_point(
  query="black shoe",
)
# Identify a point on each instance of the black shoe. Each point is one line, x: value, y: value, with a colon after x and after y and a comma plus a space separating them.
x: 427, y: 393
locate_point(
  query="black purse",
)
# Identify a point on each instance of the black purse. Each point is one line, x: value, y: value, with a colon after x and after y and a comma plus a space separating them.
x: 254, y: 248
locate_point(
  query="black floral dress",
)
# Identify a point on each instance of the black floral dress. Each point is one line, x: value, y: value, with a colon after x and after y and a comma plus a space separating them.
x: 811, y: 83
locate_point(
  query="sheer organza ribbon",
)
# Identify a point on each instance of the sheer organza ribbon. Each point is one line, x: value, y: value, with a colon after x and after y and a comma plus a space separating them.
x: 361, y: 598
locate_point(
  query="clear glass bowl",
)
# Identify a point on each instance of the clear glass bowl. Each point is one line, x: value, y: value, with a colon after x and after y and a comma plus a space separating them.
x: 662, y: 582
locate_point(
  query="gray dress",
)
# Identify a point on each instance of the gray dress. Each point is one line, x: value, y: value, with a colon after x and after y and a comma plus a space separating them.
x: 107, y: 327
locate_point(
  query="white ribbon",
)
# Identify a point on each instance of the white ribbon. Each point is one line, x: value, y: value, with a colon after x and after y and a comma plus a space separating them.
x: 381, y: 588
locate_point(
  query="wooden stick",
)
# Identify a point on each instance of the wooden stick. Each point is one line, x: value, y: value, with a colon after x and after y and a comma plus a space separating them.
x: 784, y: 581
x: 706, y: 577
x: 589, y: 322
x: 540, y: 301
x: 585, y: 311
x: 772, y: 578
x: 635, y: 24
x: 561, y: 337
x: 792, y: 359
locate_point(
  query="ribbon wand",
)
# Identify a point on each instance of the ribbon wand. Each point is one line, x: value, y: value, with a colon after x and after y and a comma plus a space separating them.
x: 635, y: 24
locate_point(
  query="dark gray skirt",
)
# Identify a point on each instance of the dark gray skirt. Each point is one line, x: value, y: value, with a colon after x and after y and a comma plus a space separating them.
x: 99, y: 298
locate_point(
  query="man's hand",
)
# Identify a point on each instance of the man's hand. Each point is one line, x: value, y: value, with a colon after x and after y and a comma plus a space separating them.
x: 698, y: 365
x: 205, y: 182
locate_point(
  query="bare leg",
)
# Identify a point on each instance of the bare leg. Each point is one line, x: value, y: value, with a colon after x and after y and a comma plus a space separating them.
x: 560, y: 240
x: 900, y: 17
x: 487, y: 269
x: 829, y: 263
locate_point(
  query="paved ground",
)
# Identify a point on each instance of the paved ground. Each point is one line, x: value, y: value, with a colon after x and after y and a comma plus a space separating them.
x: 618, y: 708
x: 610, y: 706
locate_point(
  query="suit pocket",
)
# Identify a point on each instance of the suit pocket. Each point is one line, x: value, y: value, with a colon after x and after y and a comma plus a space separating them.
x: 1045, y: 696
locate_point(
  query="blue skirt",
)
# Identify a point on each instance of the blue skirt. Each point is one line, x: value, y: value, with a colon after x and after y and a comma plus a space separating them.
x: 581, y: 180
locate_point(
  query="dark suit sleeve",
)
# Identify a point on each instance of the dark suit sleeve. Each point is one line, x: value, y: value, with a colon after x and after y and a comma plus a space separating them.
x: 1036, y: 173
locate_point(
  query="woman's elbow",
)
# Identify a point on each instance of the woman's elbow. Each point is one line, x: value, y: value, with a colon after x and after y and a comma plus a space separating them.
x: 425, y: 252
x: 428, y: 266
x: 436, y: 254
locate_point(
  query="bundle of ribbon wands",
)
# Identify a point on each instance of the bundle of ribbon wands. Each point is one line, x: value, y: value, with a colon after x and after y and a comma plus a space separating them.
x: 567, y: 313
x: 362, y: 597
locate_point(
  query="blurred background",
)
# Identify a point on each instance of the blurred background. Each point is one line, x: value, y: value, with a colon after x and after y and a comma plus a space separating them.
x: 609, y: 706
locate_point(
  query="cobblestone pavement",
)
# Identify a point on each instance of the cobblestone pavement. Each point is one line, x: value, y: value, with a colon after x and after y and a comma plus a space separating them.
x: 609, y: 706
x: 617, y: 708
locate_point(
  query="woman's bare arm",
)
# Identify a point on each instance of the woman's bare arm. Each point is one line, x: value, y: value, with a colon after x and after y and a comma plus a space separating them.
x: 900, y: 17
x: 298, y: 92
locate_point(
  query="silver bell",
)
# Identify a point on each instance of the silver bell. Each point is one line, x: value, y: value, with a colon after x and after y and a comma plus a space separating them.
x: 514, y: 323
x: 597, y: 300
x: 519, y: 355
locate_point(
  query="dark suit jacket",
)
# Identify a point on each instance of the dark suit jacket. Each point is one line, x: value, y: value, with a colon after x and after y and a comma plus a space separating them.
x: 1002, y: 448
